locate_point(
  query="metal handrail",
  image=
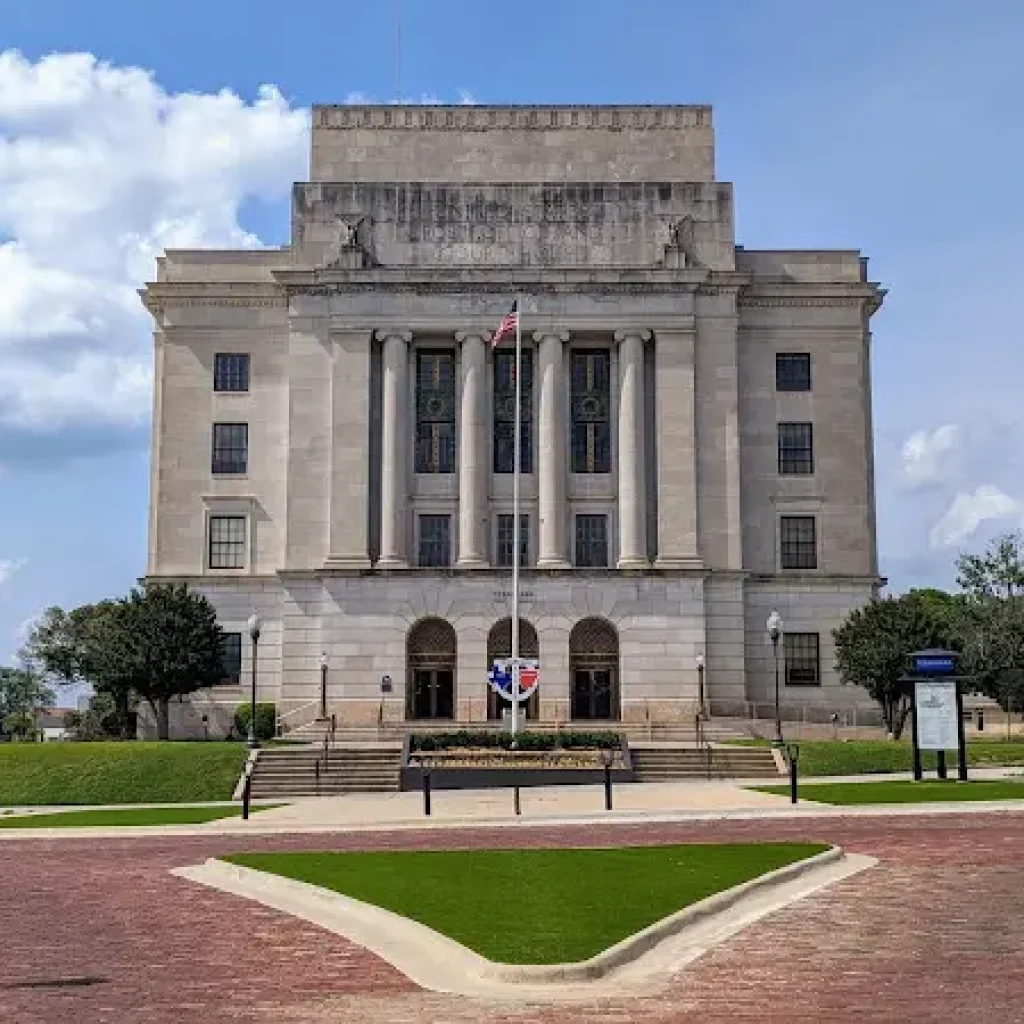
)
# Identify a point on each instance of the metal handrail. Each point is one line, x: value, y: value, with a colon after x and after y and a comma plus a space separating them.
x: 703, y: 743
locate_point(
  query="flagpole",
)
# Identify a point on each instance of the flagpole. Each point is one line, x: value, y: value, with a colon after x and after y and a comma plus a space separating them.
x: 516, y: 468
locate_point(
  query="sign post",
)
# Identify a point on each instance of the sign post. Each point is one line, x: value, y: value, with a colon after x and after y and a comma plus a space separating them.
x: 937, y: 708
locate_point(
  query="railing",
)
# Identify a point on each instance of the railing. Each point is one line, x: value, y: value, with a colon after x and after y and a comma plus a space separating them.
x: 703, y: 743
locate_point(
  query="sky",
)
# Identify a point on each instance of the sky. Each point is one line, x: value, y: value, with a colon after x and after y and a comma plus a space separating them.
x: 125, y: 128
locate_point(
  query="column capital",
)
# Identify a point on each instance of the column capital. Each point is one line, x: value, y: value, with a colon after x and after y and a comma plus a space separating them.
x: 539, y: 336
x: 390, y: 332
x: 633, y: 332
x: 472, y: 335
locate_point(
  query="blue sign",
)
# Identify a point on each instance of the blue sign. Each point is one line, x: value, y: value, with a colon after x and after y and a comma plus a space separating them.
x: 934, y: 664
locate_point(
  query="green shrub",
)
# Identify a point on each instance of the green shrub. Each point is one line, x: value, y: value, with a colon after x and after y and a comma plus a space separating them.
x: 494, y: 739
x: 266, y: 720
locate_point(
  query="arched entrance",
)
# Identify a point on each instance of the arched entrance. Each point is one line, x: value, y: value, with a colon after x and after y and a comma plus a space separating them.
x: 431, y: 651
x: 499, y: 645
x: 594, y: 670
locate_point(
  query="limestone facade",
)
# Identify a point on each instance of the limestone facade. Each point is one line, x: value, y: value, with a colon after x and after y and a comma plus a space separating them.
x: 663, y: 359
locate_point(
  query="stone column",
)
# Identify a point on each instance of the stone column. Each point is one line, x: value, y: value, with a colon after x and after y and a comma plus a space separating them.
x: 632, y: 493
x: 551, y: 446
x: 472, y: 452
x: 394, y: 492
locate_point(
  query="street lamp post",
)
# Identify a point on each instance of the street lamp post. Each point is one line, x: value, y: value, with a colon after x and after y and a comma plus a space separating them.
x: 323, y: 684
x: 254, y: 634
x: 700, y: 683
x: 774, y: 632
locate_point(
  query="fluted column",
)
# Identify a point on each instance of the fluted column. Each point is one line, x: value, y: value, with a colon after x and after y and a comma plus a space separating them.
x: 632, y: 491
x: 472, y: 452
x: 394, y: 429
x: 551, y: 449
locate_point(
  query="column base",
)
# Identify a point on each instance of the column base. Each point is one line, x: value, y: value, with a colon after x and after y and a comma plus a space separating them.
x: 391, y: 563
x: 472, y: 563
x: 553, y: 563
x: 632, y: 563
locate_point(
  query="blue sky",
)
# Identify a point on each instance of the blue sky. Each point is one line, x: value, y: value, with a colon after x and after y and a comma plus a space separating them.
x: 893, y: 127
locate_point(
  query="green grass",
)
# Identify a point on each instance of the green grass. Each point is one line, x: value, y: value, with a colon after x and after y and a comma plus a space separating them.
x: 863, y: 757
x: 123, y: 816
x: 536, y: 906
x: 118, y: 773
x: 928, y: 791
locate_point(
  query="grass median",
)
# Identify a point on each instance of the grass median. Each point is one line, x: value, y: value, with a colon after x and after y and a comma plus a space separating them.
x: 140, y: 816
x: 926, y: 791
x: 566, y: 905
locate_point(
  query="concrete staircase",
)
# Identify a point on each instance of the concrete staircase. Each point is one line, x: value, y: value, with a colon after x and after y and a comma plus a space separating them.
x: 667, y: 763
x: 300, y: 771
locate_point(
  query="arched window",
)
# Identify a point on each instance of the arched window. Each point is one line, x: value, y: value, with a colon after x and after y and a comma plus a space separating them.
x: 594, y: 670
x: 499, y: 645
x: 431, y: 654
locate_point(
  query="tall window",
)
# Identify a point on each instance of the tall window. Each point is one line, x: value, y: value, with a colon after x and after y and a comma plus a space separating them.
x: 435, y: 412
x: 793, y: 371
x: 803, y: 666
x: 230, y: 447
x: 796, y: 448
x: 231, y: 371
x: 505, y: 411
x: 505, y: 540
x: 435, y: 541
x: 231, y: 657
x: 798, y: 542
x: 592, y: 541
x: 227, y: 542
x: 591, y: 412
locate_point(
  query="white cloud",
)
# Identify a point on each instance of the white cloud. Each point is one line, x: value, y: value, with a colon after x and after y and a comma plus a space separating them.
x: 101, y: 169
x: 968, y: 511
x: 8, y: 567
x: 931, y: 457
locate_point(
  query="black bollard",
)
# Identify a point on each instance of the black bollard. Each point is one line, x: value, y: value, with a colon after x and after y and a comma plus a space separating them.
x: 515, y: 799
x: 246, y: 789
x: 940, y: 764
x: 426, y: 792
x: 607, y: 787
x: 794, y: 756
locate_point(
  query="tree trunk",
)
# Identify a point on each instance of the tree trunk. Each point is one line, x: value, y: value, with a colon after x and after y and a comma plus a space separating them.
x: 162, y: 707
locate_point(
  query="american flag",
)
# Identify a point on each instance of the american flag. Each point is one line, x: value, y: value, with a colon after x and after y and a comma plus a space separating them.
x: 508, y: 324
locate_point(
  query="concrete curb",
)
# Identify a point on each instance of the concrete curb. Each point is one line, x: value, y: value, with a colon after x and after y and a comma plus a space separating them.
x: 640, y: 963
x: 240, y: 785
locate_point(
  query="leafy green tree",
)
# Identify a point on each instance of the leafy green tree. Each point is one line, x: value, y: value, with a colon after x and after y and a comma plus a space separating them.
x: 999, y: 572
x: 22, y: 696
x: 873, y: 644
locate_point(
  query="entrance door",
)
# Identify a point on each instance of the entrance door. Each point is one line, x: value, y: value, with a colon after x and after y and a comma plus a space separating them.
x: 593, y: 694
x: 433, y: 694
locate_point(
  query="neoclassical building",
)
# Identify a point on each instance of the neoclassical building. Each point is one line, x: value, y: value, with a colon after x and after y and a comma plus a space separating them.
x: 333, y: 444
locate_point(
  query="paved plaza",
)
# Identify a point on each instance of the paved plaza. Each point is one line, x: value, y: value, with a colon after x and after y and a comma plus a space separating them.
x: 96, y: 929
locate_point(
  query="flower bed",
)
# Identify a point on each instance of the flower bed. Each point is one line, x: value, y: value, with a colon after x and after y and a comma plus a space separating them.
x: 493, y: 740
x: 518, y: 759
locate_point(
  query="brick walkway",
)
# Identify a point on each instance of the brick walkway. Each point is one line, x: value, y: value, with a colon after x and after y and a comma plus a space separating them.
x: 97, y: 930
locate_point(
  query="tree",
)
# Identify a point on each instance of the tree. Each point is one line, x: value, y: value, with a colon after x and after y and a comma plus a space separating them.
x: 22, y: 696
x: 873, y: 644
x: 999, y: 572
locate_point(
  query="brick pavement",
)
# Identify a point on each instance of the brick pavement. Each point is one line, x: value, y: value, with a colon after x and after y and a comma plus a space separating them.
x: 96, y: 930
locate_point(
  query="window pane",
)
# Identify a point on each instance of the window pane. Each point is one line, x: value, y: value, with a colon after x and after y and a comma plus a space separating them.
x: 592, y: 541
x: 227, y: 542
x: 591, y: 411
x: 798, y: 545
x: 802, y: 661
x: 230, y: 447
x: 435, y: 541
x: 796, y: 448
x: 231, y: 371
x: 231, y: 655
x: 792, y: 371
x: 435, y: 412
x: 505, y: 540
x: 505, y: 411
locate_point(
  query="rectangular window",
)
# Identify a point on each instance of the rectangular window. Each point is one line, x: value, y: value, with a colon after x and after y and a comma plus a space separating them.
x: 230, y: 447
x: 505, y: 411
x: 435, y: 541
x: 798, y: 542
x: 592, y: 541
x: 591, y: 412
x: 227, y: 542
x: 792, y: 371
x: 435, y: 412
x: 505, y: 540
x: 802, y: 661
x: 231, y: 656
x: 796, y: 448
x: 231, y: 371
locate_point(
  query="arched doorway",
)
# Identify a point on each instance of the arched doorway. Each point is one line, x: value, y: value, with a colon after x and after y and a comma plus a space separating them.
x: 431, y: 651
x: 499, y: 645
x: 594, y: 670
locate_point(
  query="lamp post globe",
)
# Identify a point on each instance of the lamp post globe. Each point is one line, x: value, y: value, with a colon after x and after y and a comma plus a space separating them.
x: 774, y: 626
x: 700, y: 682
x: 254, y: 635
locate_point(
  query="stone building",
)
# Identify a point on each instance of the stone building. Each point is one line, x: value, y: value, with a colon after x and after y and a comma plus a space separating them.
x: 332, y: 442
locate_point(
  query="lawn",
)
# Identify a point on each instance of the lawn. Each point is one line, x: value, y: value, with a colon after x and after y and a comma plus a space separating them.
x: 118, y: 773
x: 926, y: 791
x: 536, y: 906
x: 863, y: 757
x: 122, y: 816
